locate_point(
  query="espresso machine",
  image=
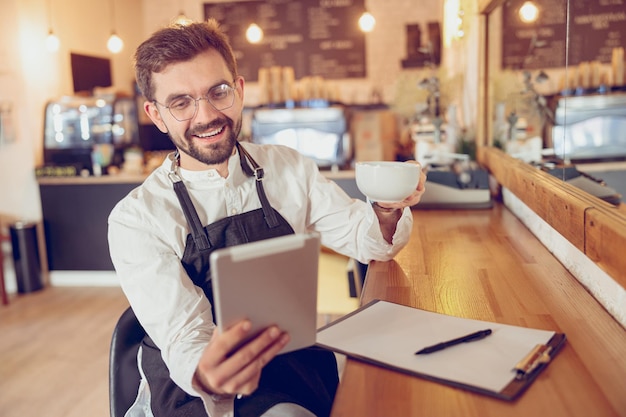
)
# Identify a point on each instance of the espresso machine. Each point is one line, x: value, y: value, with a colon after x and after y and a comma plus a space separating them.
x: 85, y: 135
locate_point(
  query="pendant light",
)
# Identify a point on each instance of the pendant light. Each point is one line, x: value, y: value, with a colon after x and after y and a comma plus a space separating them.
x: 115, y: 44
x: 367, y: 22
x: 181, y: 19
x: 52, y: 41
x: 254, y: 33
x: 529, y: 12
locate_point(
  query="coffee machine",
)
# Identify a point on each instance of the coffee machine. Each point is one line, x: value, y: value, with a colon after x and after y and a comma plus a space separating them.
x: 78, y: 129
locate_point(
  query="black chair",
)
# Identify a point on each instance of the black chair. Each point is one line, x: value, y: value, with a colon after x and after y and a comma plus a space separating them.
x: 124, y: 376
x: 356, y: 277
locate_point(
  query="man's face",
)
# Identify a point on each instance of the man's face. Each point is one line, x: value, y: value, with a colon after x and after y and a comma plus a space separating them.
x: 208, y: 138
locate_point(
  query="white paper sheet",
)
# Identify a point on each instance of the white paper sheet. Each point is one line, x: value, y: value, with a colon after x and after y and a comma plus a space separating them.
x: 390, y: 334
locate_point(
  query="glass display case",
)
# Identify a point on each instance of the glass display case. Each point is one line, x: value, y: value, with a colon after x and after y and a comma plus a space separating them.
x: 89, y: 133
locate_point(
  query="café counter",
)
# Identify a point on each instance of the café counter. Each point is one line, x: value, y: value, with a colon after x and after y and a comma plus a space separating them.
x: 486, y: 265
x: 75, y: 212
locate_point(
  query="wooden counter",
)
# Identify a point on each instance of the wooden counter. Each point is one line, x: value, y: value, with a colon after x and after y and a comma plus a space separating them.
x: 485, y: 265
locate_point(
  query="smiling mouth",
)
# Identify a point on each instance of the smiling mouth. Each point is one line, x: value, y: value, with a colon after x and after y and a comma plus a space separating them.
x: 210, y: 133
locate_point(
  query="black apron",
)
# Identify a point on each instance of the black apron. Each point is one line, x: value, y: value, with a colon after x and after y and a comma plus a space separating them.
x: 307, y: 377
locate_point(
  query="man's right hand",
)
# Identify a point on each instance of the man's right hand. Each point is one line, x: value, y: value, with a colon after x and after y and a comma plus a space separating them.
x: 224, y: 370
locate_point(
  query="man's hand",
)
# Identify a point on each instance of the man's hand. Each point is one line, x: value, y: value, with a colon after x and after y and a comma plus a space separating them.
x: 414, y: 198
x: 389, y: 213
x: 224, y: 370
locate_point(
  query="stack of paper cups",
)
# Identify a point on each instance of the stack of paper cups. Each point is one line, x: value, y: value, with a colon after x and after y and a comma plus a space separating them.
x: 264, y: 92
x: 617, y: 64
x: 288, y: 83
x: 595, y: 74
x: 276, y: 73
x: 584, y: 75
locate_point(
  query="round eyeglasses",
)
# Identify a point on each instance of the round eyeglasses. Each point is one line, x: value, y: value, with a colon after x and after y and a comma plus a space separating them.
x: 183, y: 108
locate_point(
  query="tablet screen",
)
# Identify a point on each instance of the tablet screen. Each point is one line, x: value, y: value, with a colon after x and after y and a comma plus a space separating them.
x: 273, y: 281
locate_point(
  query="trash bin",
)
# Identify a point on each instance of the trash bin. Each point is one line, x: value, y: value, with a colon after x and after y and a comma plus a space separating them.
x: 26, y: 257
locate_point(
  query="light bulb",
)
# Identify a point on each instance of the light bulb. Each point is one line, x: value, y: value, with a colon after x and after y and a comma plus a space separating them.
x: 254, y: 34
x: 367, y: 22
x: 52, y: 42
x: 115, y: 43
x: 182, y: 20
x: 529, y: 12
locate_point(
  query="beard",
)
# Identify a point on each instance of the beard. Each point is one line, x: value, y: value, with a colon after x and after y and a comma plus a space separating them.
x: 215, y: 153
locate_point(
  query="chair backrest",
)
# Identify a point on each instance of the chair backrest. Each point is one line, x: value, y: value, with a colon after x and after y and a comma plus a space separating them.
x: 124, y: 375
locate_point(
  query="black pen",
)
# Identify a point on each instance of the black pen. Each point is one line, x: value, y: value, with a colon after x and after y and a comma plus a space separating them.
x: 468, y: 338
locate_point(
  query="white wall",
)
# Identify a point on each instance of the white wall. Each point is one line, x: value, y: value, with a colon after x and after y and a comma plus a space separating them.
x: 17, y: 189
x: 30, y: 76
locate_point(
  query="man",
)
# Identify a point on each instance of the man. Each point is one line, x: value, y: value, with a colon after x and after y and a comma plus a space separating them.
x: 215, y: 192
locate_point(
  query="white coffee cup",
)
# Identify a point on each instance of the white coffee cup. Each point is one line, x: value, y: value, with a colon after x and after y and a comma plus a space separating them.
x: 387, y: 181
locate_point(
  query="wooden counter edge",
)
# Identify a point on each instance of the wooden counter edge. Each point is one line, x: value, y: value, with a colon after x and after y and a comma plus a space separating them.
x: 139, y: 178
x: 104, y: 179
x: 592, y: 225
x: 605, y: 240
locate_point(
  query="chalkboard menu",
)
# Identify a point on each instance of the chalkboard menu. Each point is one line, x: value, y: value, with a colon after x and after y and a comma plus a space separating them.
x: 315, y: 37
x: 595, y: 28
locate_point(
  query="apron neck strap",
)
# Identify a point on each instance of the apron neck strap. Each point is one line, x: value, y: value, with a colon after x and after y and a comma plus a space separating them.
x: 197, y: 230
x: 191, y: 215
x: 258, y: 173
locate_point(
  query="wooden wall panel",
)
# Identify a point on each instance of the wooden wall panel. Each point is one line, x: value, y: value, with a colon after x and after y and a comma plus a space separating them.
x: 605, y: 243
x: 594, y: 226
x: 556, y: 202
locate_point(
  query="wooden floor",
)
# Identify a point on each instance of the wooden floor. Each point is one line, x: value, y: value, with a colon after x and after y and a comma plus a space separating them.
x: 54, y: 350
x: 54, y: 346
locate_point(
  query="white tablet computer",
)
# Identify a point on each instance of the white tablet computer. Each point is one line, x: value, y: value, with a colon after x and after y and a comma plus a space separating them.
x: 273, y: 281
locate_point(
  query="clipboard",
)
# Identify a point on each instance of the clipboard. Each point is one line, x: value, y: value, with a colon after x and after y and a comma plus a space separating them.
x: 502, y: 365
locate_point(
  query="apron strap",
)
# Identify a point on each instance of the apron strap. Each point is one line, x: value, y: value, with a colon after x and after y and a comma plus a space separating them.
x: 197, y: 230
x: 257, y: 171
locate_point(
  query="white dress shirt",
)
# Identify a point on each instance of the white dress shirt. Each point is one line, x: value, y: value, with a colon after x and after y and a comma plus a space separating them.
x: 147, y: 234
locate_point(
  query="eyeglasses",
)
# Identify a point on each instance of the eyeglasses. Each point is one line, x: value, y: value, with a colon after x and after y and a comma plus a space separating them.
x: 185, y: 107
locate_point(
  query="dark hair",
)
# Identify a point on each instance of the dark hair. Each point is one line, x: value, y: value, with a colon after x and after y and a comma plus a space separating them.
x: 179, y: 43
